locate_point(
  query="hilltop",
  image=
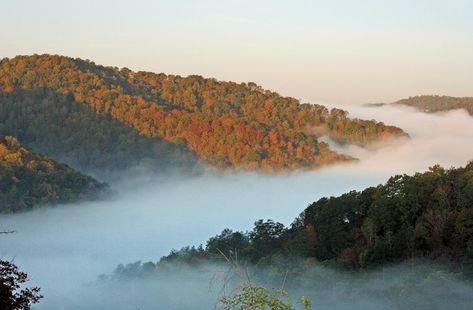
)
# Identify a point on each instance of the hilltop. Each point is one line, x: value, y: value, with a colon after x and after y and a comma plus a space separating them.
x: 434, y: 103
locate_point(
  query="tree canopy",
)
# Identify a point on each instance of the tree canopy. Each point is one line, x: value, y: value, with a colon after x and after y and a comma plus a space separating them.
x: 73, y: 133
x: 227, y: 124
x: 28, y: 179
x: 427, y: 215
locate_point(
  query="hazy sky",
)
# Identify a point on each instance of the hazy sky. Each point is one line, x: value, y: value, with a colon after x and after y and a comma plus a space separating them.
x: 334, y: 51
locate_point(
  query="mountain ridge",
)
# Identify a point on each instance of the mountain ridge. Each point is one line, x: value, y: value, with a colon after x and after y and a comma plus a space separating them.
x: 226, y: 124
x: 436, y: 103
x: 432, y: 103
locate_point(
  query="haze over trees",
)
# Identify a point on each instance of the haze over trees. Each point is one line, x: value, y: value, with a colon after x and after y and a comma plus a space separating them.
x: 102, y: 119
x: 435, y: 103
x: 228, y: 125
x: 28, y: 179
x: 72, y: 133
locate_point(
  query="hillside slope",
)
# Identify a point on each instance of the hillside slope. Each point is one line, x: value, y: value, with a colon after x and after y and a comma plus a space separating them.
x: 226, y: 124
x: 72, y: 133
x: 433, y: 104
x: 426, y: 216
x: 28, y: 179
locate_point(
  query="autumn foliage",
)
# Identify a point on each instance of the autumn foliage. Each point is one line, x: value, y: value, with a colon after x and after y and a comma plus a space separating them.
x: 226, y: 124
x: 28, y: 179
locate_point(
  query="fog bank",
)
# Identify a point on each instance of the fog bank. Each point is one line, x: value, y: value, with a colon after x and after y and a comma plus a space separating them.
x: 411, y: 285
x: 64, y: 248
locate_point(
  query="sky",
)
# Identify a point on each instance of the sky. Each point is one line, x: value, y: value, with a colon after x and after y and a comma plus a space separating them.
x: 336, y: 51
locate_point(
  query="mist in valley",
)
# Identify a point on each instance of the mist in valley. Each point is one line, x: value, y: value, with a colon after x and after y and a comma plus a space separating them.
x: 411, y: 285
x: 65, y: 248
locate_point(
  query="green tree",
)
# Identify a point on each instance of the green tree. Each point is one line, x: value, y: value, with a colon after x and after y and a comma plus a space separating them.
x: 257, y: 297
x: 12, y: 297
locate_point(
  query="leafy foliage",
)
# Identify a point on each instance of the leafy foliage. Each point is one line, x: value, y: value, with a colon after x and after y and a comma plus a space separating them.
x: 72, y: 133
x: 28, y: 179
x: 257, y: 297
x: 426, y: 215
x: 11, y: 297
x: 226, y: 124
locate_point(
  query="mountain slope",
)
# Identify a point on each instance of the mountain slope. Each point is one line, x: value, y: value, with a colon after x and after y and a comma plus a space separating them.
x: 28, y: 179
x: 72, y: 133
x: 433, y: 104
x: 226, y: 124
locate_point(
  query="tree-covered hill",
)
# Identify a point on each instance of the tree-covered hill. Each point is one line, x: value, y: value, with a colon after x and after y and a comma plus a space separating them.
x: 28, y: 179
x: 226, y: 124
x: 433, y: 104
x: 72, y: 133
x: 426, y: 216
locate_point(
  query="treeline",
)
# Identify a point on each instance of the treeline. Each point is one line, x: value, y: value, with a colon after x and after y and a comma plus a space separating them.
x: 28, y: 179
x: 439, y: 103
x: 226, y: 124
x: 72, y: 133
x: 427, y: 216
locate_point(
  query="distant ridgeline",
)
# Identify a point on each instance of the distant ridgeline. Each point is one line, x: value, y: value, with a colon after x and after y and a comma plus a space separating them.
x: 438, y: 103
x: 227, y: 125
x: 28, y: 179
x: 428, y: 215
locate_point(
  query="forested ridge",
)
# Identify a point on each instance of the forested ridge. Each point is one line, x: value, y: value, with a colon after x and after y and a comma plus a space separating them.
x: 225, y: 124
x: 424, y: 216
x: 28, y: 179
x: 72, y: 133
x: 438, y: 103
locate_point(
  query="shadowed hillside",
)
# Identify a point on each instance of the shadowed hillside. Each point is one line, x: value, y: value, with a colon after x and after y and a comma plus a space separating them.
x: 72, y: 133
x: 28, y: 179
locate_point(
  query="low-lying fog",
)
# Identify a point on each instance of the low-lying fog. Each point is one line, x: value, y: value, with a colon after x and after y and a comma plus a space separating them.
x: 65, y: 248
